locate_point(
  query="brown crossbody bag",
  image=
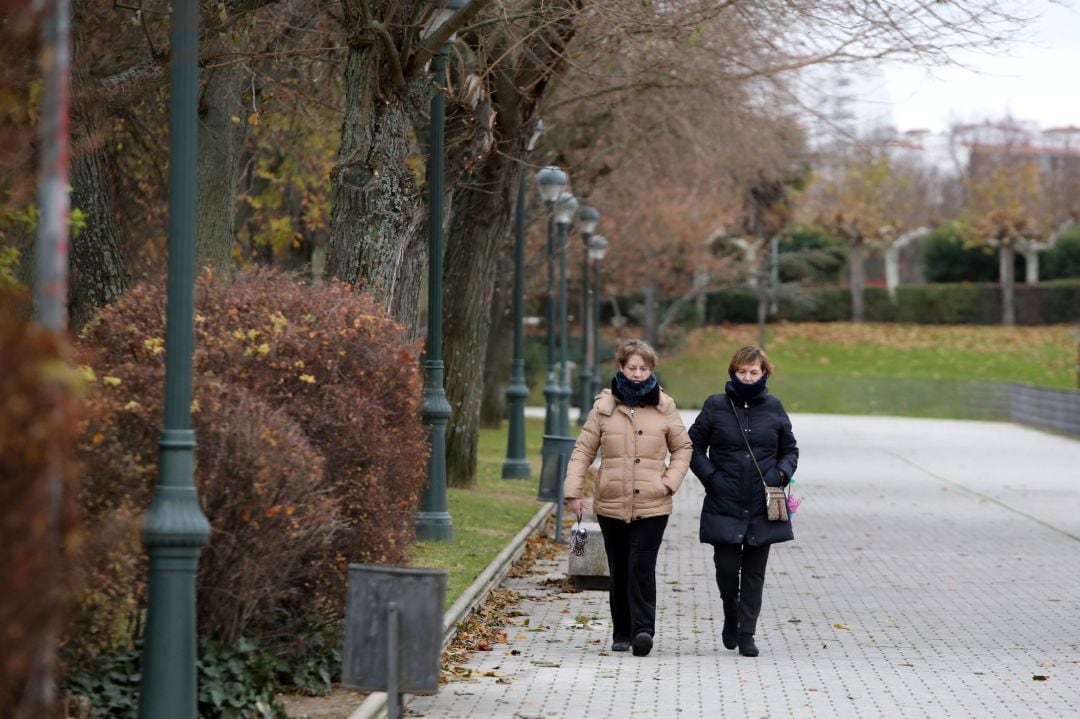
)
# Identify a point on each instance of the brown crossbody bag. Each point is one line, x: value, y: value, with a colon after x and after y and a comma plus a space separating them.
x: 776, y: 509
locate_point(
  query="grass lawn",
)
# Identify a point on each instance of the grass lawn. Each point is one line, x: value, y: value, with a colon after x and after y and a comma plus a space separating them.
x: 486, y: 517
x: 917, y: 370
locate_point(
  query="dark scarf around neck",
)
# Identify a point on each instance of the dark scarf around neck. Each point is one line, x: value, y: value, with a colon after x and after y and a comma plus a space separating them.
x: 747, y: 392
x: 636, y: 394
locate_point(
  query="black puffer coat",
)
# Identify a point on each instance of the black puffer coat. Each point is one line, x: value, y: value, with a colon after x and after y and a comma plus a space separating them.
x: 734, y: 507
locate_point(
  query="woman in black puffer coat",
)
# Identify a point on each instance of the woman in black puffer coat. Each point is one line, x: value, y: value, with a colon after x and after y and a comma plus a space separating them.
x: 733, y: 515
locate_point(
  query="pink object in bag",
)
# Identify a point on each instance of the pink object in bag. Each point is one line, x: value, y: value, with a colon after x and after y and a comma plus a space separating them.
x: 793, y: 503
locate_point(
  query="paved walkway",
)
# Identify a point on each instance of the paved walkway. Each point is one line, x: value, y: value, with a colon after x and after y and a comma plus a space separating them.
x: 935, y: 573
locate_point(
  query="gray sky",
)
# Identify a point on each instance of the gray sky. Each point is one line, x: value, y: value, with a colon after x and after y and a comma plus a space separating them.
x: 1036, y: 79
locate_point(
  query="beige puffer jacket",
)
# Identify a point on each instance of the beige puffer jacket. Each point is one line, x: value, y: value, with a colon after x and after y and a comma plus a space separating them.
x: 634, y: 480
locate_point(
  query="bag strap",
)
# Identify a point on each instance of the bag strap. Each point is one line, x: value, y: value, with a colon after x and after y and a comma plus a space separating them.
x: 742, y: 431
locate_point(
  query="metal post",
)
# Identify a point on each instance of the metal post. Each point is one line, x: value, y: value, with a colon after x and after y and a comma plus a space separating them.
x: 597, y: 379
x: 515, y: 466
x: 564, y: 357
x: 1078, y: 359
x: 585, y: 375
x: 393, y: 696
x: 50, y: 290
x: 774, y: 274
x: 551, y: 387
x: 433, y: 522
x: 175, y: 529
x: 50, y: 287
x: 559, y: 514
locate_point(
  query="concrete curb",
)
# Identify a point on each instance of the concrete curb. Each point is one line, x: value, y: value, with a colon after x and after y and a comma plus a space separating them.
x: 374, y: 706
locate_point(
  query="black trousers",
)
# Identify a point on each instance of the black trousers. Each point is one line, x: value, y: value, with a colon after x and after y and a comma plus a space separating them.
x: 740, y: 575
x: 631, y: 555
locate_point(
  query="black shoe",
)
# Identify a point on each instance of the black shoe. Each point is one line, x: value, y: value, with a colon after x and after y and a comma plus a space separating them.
x: 642, y: 644
x: 727, y: 635
x: 620, y: 645
x: 746, y: 645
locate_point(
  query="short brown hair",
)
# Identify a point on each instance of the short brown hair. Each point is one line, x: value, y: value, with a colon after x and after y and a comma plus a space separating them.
x: 636, y: 347
x: 749, y: 355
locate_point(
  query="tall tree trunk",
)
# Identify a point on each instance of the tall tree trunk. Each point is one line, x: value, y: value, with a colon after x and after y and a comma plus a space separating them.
x: 500, y: 339
x: 857, y: 258
x: 651, y: 320
x: 99, y: 273
x: 377, y: 219
x: 1008, y: 283
x: 478, y: 230
x: 222, y: 129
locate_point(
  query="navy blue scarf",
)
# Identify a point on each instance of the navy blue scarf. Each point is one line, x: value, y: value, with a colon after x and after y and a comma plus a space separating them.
x: 747, y: 391
x: 636, y: 394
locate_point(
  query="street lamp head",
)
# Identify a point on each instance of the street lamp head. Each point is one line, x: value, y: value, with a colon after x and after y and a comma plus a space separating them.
x: 538, y: 130
x: 551, y: 181
x: 565, y: 206
x: 598, y: 245
x: 587, y: 220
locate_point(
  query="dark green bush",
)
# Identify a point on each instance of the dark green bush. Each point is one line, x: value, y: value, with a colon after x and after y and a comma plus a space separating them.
x: 947, y: 259
x: 1063, y: 260
x: 1046, y: 303
x: 807, y: 254
x: 737, y: 305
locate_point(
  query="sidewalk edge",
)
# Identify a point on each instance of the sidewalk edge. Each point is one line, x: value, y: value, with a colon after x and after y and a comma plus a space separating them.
x: 374, y: 706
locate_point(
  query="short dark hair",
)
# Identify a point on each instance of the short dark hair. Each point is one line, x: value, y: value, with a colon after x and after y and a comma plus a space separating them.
x: 749, y: 355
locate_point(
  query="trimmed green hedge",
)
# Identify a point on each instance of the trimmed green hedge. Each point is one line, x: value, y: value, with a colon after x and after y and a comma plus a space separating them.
x: 1056, y: 302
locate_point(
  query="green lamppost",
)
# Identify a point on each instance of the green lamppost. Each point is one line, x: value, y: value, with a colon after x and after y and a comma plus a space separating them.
x: 598, y: 246
x: 515, y: 466
x: 565, y: 207
x: 551, y: 180
x: 433, y: 522
x: 588, y: 219
x: 174, y: 529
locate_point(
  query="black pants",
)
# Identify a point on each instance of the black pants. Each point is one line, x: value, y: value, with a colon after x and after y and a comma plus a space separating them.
x: 631, y: 556
x: 740, y: 575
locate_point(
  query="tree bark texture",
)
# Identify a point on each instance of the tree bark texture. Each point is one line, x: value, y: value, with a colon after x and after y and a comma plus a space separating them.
x: 651, y: 319
x: 857, y: 258
x: 98, y: 271
x: 222, y: 130
x: 477, y: 233
x: 376, y: 222
x: 499, y: 350
x: 1006, y: 259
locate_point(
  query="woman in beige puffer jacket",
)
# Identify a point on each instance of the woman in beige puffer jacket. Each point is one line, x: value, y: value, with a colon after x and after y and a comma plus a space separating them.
x: 634, y: 425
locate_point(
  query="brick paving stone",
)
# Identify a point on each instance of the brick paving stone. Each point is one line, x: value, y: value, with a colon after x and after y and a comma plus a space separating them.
x: 935, y: 572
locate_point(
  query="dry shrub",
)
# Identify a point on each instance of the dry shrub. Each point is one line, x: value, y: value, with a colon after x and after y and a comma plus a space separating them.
x: 332, y: 360
x: 38, y: 428
x: 310, y: 450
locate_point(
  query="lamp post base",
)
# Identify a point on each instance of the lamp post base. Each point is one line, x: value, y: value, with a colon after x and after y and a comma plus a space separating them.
x: 434, y: 527
x: 516, y: 469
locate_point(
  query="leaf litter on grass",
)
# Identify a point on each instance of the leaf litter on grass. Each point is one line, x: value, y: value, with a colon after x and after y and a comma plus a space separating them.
x: 486, y: 626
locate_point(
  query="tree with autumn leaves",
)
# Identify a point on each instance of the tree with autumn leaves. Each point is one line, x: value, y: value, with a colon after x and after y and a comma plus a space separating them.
x: 868, y: 200
x: 1005, y: 206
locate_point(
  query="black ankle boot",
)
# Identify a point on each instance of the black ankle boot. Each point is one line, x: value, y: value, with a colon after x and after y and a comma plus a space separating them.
x: 727, y: 635
x: 642, y: 644
x: 731, y: 625
x: 747, y: 648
